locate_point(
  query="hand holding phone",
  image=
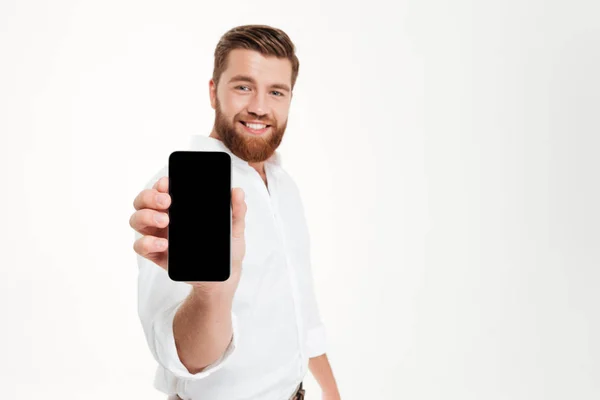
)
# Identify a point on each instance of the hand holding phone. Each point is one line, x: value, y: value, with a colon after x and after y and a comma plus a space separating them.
x: 154, y: 246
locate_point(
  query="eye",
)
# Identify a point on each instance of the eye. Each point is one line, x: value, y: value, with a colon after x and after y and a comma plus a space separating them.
x: 241, y: 87
x: 279, y: 94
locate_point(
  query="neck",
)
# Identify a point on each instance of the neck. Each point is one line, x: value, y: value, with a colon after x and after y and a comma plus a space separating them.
x: 259, y: 167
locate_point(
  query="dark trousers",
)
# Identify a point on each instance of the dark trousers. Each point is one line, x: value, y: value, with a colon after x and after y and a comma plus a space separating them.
x: 299, y: 395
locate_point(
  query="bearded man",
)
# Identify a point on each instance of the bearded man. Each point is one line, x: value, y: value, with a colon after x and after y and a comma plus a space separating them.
x: 256, y: 335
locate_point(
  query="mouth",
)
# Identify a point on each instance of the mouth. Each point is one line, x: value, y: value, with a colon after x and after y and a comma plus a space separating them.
x: 255, y: 129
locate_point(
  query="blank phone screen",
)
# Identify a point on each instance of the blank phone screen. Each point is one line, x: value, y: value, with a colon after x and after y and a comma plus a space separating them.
x: 199, y: 231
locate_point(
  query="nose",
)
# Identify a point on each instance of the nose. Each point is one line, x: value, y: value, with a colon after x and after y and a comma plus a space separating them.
x: 257, y: 105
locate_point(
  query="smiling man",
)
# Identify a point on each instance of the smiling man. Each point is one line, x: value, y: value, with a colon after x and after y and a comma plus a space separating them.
x: 256, y: 335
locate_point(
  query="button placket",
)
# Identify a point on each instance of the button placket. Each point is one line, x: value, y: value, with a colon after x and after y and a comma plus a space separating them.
x: 289, y: 264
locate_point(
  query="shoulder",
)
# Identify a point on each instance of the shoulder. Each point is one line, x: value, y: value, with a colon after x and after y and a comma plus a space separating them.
x: 288, y: 182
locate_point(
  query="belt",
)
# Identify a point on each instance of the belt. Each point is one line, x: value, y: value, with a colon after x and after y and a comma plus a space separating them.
x: 299, y: 393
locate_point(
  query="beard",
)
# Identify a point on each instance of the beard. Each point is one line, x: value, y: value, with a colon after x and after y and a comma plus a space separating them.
x: 244, y: 145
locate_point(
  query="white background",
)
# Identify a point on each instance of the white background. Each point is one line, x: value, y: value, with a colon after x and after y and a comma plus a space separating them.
x: 447, y: 154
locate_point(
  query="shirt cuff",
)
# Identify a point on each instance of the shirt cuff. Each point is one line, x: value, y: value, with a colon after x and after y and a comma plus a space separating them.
x: 167, y: 351
x: 316, y: 341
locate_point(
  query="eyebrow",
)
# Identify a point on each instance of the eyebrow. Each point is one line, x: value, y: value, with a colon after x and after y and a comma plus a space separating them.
x: 245, y: 78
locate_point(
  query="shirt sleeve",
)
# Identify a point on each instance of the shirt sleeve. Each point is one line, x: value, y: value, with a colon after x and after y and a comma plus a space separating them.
x: 159, y: 298
x: 316, y: 335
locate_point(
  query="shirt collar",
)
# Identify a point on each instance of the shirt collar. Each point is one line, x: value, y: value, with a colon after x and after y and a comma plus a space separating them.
x: 202, y: 142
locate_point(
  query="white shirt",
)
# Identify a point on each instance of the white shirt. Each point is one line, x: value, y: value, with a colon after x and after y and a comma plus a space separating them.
x: 276, y: 322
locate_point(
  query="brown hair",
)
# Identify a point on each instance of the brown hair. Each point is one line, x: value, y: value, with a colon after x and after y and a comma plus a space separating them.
x: 265, y: 39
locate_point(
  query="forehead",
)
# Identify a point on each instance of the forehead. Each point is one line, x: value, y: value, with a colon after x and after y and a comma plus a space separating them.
x: 264, y: 69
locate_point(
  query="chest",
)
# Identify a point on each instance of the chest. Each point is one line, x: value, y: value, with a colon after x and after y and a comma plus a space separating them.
x: 275, y: 220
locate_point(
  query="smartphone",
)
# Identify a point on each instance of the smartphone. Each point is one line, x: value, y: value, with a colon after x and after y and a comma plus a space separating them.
x: 199, y: 230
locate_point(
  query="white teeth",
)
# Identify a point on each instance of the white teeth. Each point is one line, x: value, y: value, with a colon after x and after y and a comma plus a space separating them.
x: 256, y: 126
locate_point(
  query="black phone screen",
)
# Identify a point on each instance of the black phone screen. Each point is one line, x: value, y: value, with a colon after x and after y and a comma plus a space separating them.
x: 199, y: 230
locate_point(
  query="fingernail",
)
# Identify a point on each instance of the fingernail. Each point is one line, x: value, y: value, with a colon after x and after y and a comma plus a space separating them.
x: 160, y: 218
x: 161, y: 199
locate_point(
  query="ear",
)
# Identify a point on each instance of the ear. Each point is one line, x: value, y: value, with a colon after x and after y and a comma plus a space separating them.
x: 212, y: 92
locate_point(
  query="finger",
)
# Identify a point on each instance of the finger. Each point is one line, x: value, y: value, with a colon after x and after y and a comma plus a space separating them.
x: 160, y: 259
x: 162, y: 185
x: 147, y: 221
x: 153, y: 199
x: 239, y: 209
x: 148, y: 245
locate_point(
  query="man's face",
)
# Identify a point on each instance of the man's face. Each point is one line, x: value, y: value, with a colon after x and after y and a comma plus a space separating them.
x: 251, y: 103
